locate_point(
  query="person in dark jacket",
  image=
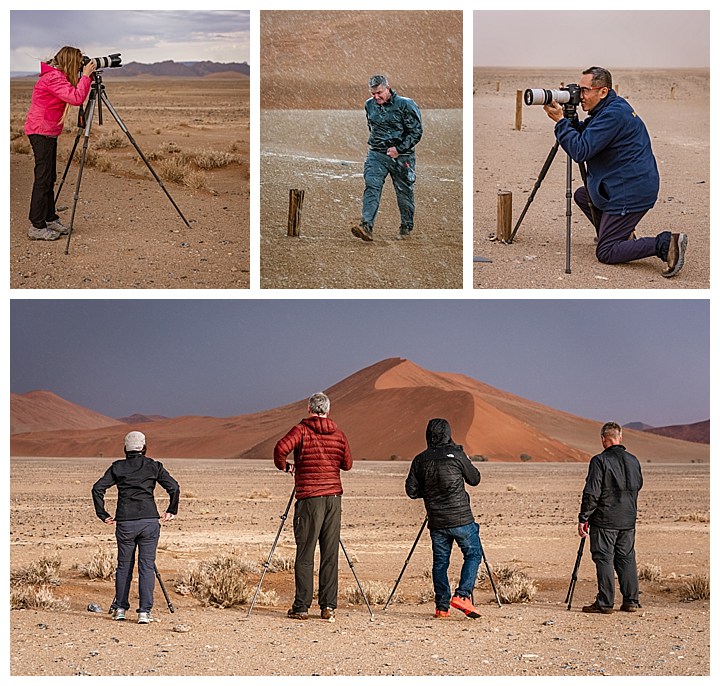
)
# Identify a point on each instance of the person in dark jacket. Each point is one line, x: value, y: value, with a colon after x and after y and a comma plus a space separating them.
x: 395, y: 129
x: 438, y: 475
x: 320, y: 450
x: 609, y: 510
x: 137, y: 521
x: 622, y: 175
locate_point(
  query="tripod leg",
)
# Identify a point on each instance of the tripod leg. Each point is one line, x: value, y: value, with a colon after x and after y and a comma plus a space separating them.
x: 492, y: 581
x: 543, y: 172
x: 574, y: 576
x: 104, y: 98
x: 568, y: 213
x: 402, y: 571
x: 357, y: 581
x: 266, y: 565
x: 165, y: 593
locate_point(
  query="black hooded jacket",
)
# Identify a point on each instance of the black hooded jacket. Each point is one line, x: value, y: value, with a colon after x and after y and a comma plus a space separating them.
x: 438, y: 475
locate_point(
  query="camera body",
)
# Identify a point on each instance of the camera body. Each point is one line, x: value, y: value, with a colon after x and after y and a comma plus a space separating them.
x: 110, y: 61
x: 568, y: 96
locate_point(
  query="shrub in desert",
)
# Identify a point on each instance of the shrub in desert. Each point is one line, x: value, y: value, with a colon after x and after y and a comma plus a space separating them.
x: 30, y: 585
x: 172, y: 169
x: 20, y: 146
x: 196, y: 180
x: 36, y: 597
x: 101, y: 565
x: 39, y: 572
x: 649, y: 572
x: 280, y: 562
x: 513, y: 586
x: 698, y: 587
x: 112, y: 141
x: 524, y: 457
x: 376, y: 592
x: 211, y: 159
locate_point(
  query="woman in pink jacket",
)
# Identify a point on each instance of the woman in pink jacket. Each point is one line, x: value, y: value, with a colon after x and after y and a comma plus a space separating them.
x: 60, y: 85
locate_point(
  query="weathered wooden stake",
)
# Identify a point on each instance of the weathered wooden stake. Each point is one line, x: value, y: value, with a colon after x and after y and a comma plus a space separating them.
x: 518, y: 110
x: 497, y: 86
x: 294, y: 211
x: 672, y: 92
x: 504, y: 216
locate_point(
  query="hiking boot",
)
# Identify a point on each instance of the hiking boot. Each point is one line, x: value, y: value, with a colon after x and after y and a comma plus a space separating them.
x: 441, y: 614
x: 327, y: 613
x: 676, y: 254
x: 464, y: 605
x: 630, y: 607
x: 597, y: 609
x: 46, y: 234
x: 144, y: 618
x: 57, y: 225
x: 405, y: 232
x: 119, y: 614
x: 295, y: 614
x: 362, y: 231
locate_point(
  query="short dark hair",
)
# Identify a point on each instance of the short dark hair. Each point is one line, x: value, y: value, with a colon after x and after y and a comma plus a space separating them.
x: 611, y: 429
x: 379, y: 80
x: 600, y: 76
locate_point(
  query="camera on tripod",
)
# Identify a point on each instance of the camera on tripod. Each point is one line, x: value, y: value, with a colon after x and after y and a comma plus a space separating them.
x: 569, y: 95
x: 110, y: 61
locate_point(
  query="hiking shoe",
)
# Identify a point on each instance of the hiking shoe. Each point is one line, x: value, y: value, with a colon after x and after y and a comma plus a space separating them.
x: 464, y: 605
x: 144, y: 618
x: 119, y: 614
x: 597, y: 609
x: 295, y: 614
x: 441, y: 614
x: 328, y: 613
x: 362, y: 231
x: 46, y: 234
x: 404, y: 232
x: 57, y: 225
x: 629, y: 607
x: 676, y: 254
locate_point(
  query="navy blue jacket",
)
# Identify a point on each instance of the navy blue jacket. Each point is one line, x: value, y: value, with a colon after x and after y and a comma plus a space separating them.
x: 613, y: 141
x: 397, y: 124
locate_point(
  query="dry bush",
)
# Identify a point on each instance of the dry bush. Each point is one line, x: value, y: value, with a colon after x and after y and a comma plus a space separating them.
x: 101, y: 565
x: 112, y: 141
x: 36, y: 597
x: 649, y: 572
x: 167, y: 147
x: 426, y: 595
x: 259, y: 494
x: 30, y: 585
x: 280, y: 562
x: 210, y: 159
x: 98, y: 160
x: 39, y: 573
x: 188, y: 494
x: 511, y: 488
x: 376, y: 592
x: 513, y: 586
x: 20, y: 146
x: 694, y: 517
x: 172, y: 169
x: 698, y: 587
x: 195, y: 180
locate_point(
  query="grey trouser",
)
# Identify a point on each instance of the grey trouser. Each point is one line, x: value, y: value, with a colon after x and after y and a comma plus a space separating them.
x: 613, y: 550
x: 377, y: 166
x: 316, y: 520
x: 141, y: 535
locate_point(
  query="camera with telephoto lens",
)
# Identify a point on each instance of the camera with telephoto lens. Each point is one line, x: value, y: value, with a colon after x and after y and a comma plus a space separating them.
x: 569, y: 95
x: 110, y: 61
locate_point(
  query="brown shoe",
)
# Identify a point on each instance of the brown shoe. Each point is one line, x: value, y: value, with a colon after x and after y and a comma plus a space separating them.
x: 676, y: 254
x: 362, y: 231
x: 597, y: 609
x: 629, y: 607
x: 294, y: 614
x: 327, y: 613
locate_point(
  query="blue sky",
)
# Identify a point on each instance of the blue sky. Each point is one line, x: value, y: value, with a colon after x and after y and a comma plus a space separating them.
x: 629, y: 360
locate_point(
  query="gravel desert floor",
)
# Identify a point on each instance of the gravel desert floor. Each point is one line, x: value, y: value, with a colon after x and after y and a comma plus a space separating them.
x: 527, y: 515
x: 676, y: 110
x: 126, y: 232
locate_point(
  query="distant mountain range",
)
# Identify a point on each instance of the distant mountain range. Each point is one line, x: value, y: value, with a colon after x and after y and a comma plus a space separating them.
x: 383, y: 409
x: 699, y: 432
x: 170, y: 68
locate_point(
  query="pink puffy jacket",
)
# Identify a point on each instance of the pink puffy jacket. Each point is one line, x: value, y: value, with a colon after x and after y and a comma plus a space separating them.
x: 50, y: 95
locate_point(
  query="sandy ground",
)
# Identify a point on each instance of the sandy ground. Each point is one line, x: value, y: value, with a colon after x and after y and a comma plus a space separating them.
x: 126, y: 232
x: 315, y: 67
x: 527, y: 516
x: 505, y: 159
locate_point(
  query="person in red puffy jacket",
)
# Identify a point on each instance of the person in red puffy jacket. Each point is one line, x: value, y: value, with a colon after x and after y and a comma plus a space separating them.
x: 320, y: 450
x: 63, y: 81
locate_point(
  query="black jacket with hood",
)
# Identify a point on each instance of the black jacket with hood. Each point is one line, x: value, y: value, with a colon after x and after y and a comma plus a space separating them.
x: 438, y: 475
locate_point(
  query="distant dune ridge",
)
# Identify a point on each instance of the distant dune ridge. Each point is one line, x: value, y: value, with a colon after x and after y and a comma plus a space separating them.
x: 383, y: 409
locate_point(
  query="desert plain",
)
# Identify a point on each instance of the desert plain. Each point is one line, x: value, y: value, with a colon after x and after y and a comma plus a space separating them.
x: 126, y: 233
x: 527, y: 514
x: 675, y: 106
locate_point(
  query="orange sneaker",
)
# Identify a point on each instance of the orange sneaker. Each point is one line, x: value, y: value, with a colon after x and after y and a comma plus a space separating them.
x: 464, y: 605
x: 441, y: 613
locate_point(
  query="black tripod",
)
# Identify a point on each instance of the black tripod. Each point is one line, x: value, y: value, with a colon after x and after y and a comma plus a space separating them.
x: 85, y: 118
x: 574, y: 576
x: 569, y: 112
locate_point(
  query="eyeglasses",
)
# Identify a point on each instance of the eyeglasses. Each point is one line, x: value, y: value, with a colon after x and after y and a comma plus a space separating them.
x: 585, y: 90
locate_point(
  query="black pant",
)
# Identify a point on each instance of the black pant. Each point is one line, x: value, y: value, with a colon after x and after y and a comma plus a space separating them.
x: 316, y: 519
x: 141, y: 535
x: 42, y: 201
x: 613, y: 550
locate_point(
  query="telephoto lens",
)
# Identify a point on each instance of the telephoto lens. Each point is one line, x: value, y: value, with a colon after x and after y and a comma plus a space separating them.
x: 110, y: 61
x: 543, y: 96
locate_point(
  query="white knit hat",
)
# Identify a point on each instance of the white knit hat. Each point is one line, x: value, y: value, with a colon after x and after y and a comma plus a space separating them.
x: 135, y: 441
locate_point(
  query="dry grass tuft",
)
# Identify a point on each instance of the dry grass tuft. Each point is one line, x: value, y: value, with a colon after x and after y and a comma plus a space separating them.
x: 112, y: 141
x: 259, y: 494
x: 101, y: 566
x: 30, y: 586
x: 694, y: 517
x: 649, y: 572
x: 698, y: 587
x: 20, y: 146
x: 36, y: 597
x: 376, y: 592
x: 513, y: 586
x: 280, y: 562
x: 39, y: 573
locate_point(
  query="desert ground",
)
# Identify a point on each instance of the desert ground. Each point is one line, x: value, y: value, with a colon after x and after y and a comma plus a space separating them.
x: 676, y: 110
x: 126, y: 232
x: 315, y: 67
x: 527, y: 515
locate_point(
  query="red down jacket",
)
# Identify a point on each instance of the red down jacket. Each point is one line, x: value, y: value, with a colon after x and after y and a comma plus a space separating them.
x: 320, y: 450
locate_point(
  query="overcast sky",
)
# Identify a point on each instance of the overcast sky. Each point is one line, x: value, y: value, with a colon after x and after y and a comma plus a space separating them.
x: 615, y: 39
x: 140, y: 35
x: 626, y: 360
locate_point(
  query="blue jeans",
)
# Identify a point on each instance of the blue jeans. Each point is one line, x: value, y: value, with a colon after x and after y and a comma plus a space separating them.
x: 377, y: 166
x: 139, y: 535
x: 468, y: 539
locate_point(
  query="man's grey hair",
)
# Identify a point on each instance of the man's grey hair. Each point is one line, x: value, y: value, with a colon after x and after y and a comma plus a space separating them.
x: 319, y: 403
x: 611, y: 429
x: 600, y: 76
x: 378, y: 81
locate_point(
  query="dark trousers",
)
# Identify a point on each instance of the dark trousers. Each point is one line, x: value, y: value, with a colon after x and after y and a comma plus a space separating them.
x: 377, y: 166
x: 42, y: 200
x: 316, y: 520
x: 139, y: 535
x: 613, y: 551
x: 613, y: 246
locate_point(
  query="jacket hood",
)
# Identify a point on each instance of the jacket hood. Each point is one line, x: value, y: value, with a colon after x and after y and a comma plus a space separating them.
x: 438, y: 433
x: 320, y: 425
x: 45, y: 68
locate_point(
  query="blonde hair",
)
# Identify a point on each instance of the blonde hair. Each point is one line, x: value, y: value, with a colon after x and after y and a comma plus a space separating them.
x: 69, y: 61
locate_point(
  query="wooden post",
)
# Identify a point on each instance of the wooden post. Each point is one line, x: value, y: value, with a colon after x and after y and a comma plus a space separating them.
x: 518, y: 110
x: 504, y: 216
x: 672, y: 92
x: 497, y: 86
x: 294, y: 211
